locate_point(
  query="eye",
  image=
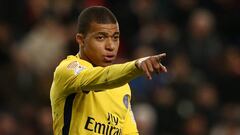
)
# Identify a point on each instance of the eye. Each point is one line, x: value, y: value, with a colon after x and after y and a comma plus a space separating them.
x: 100, y: 37
x: 116, y: 37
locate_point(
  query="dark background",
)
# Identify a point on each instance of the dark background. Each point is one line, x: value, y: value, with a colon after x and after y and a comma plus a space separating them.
x: 198, y: 96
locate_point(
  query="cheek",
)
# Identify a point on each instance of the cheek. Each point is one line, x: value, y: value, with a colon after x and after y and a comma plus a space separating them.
x: 93, y: 46
x: 117, y: 47
x: 94, y: 49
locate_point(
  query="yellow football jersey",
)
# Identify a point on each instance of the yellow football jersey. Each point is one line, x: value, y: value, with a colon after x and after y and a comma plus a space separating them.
x: 89, y: 100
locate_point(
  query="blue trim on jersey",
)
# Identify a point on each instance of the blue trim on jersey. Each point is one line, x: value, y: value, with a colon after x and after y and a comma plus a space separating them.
x: 68, y: 113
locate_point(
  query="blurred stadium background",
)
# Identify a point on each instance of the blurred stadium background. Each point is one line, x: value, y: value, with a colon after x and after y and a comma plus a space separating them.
x: 198, y: 96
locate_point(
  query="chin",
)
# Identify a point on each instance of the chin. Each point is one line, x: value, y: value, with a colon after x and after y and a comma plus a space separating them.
x: 106, y: 64
x: 103, y: 63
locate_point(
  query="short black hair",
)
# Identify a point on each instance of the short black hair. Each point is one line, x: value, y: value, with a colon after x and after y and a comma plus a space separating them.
x: 98, y: 14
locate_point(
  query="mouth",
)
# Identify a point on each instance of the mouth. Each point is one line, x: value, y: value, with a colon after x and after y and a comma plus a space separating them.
x: 109, y: 58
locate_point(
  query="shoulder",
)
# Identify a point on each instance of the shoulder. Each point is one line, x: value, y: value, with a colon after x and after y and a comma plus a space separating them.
x: 70, y: 65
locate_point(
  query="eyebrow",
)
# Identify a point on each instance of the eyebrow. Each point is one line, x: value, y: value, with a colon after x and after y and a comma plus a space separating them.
x: 106, y: 34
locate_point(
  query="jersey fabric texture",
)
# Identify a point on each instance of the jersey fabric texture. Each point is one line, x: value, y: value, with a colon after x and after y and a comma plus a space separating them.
x: 89, y: 100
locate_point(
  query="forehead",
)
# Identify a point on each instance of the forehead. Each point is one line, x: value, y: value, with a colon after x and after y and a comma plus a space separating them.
x: 107, y: 28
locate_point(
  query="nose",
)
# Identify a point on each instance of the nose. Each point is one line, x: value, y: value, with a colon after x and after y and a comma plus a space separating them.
x: 109, y: 45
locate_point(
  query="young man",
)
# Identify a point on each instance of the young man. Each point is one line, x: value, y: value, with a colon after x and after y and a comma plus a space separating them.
x: 89, y: 95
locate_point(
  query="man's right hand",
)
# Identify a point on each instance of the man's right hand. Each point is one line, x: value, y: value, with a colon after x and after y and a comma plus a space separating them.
x: 151, y: 64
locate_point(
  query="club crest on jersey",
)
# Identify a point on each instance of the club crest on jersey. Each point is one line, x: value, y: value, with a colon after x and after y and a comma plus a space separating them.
x: 126, y: 99
x: 76, y: 67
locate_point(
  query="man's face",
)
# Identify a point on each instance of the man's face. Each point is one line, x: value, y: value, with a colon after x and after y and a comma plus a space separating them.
x: 100, y: 44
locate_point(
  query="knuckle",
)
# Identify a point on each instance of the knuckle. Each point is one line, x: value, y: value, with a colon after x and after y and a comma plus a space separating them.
x: 152, y: 58
x: 157, y: 66
x: 149, y: 60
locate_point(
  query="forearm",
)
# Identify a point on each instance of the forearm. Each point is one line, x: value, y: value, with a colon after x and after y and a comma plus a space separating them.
x: 100, y: 78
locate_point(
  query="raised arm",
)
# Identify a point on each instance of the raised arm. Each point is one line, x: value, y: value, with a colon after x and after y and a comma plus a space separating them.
x: 101, y: 78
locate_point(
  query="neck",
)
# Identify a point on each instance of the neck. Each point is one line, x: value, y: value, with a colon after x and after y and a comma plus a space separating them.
x: 83, y: 56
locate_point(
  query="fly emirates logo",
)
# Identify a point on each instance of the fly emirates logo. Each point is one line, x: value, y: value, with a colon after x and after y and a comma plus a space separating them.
x: 103, y: 128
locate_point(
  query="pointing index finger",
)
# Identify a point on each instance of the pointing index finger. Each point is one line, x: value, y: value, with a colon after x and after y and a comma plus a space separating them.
x: 160, y: 56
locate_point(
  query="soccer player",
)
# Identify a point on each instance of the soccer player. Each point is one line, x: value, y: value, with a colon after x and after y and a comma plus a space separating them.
x: 89, y: 94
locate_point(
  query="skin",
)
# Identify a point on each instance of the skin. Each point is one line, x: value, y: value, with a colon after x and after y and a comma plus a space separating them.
x: 151, y: 64
x: 100, y: 46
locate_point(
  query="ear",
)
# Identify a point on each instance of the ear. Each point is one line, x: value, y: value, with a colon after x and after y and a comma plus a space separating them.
x: 80, y: 39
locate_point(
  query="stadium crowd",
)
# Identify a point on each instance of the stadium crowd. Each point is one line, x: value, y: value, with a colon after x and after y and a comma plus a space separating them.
x: 198, y: 95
